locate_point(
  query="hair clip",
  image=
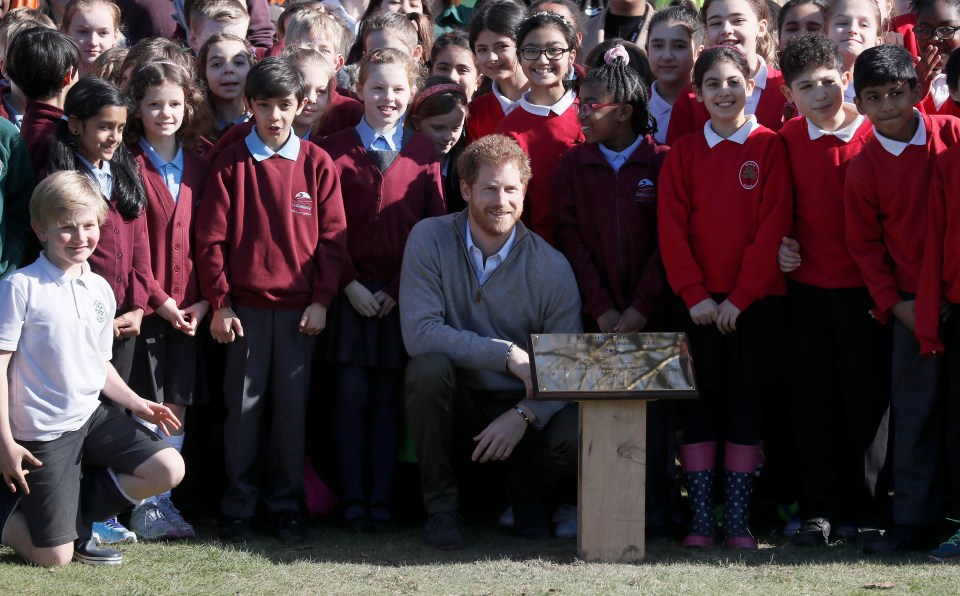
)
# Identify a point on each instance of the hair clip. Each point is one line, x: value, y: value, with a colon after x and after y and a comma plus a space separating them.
x: 373, y: 56
x: 617, y: 51
x: 553, y: 15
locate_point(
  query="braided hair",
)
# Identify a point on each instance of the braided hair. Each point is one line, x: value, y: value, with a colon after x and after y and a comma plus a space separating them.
x: 625, y: 86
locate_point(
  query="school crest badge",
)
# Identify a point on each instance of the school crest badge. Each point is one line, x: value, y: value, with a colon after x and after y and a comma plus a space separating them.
x: 302, y: 204
x: 101, y: 309
x: 646, y: 191
x: 749, y: 175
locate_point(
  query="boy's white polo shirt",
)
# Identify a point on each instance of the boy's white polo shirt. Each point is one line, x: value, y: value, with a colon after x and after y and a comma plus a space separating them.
x: 61, y: 332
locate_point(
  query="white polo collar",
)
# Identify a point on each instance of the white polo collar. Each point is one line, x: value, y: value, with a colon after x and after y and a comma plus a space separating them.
x: 845, y: 134
x: 898, y: 147
x: 739, y: 137
x: 558, y: 108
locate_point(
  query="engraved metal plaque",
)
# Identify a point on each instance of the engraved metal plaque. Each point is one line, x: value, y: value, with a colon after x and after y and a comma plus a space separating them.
x: 611, y: 366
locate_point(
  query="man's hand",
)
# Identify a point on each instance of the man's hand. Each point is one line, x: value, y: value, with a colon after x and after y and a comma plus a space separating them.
x: 225, y: 326
x: 362, y: 299
x: 128, y: 324
x: 12, y: 457
x: 519, y: 364
x: 497, y: 441
x: 608, y: 320
x: 704, y: 312
x: 727, y: 315
x: 314, y: 319
x: 904, y: 311
x: 788, y: 256
x: 630, y: 321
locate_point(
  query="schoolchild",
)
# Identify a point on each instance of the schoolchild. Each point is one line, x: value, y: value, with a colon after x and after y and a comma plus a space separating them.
x: 674, y: 41
x: 493, y: 38
x: 840, y: 396
x: 439, y: 111
x: 415, y: 12
x: 882, y: 220
x: 724, y: 204
x: 12, y: 100
x: 855, y: 25
x: 163, y: 142
x: 604, y: 220
x: 45, y: 88
x: 742, y: 24
x: 153, y: 50
x: 390, y: 178
x: 452, y: 57
x: 936, y: 32
x: 16, y: 184
x: 107, y: 65
x: 210, y: 17
x: 937, y: 300
x: 224, y: 62
x: 545, y: 125
x: 799, y: 17
x: 389, y: 30
x: 94, y: 25
x: 69, y: 461
x: 270, y: 246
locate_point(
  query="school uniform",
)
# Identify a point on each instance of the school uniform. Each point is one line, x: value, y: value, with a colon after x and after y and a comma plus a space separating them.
x: 661, y: 111
x: 343, y: 112
x: 7, y: 111
x: 938, y: 100
x: 839, y: 413
x: 165, y: 361
x: 723, y: 206
x: 40, y: 121
x: 884, y: 224
x: 766, y: 103
x: 390, y: 182
x: 904, y: 24
x: 544, y: 133
x: 487, y: 111
x: 270, y: 240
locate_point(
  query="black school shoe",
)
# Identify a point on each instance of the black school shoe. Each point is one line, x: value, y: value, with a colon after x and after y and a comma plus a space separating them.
x: 443, y: 530
x: 814, y: 532
x: 288, y: 526
x: 236, y: 529
x: 900, y: 538
x: 88, y: 553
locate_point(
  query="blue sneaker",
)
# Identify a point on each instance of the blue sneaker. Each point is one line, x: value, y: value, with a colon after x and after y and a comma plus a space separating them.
x: 112, y: 532
x: 948, y: 551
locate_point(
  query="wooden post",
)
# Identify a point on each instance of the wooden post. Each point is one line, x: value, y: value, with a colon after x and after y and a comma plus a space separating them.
x: 613, y: 466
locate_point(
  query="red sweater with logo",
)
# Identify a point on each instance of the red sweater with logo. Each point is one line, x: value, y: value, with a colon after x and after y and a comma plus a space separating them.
x: 544, y: 139
x: 818, y: 170
x: 382, y: 208
x: 689, y: 115
x: 940, y: 272
x: 605, y: 223
x: 885, y: 199
x: 722, y: 213
x: 485, y: 114
x: 170, y: 227
x: 40, y: 120
x: 271, y: 234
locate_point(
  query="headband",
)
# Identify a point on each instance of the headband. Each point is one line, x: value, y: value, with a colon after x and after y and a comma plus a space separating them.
x: 436, y: 89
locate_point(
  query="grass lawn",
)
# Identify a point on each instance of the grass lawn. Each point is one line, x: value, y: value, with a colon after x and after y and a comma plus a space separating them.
x: 493, y: 563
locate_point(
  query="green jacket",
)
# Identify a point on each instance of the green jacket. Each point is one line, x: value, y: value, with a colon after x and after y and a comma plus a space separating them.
x: 16, y: 187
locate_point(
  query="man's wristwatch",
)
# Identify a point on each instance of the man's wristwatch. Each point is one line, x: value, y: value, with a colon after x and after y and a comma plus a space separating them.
x: 506, y: 363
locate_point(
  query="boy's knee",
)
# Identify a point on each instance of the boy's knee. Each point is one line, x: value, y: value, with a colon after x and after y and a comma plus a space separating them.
x: 166, y: 468
x: 54, y: 556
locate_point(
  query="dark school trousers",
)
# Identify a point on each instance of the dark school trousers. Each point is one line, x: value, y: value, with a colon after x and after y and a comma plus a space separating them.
x: 444, y: 416
x: 918, y: 432
x: 264, y: 462
x: 840, y: 400
x: 951, y: 415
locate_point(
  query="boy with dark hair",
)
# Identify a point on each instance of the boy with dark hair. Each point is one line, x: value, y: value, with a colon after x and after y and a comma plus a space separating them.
x: 44, y: 64
x: 271, y: 242
x: 85, y: 462
x: 886, y: 207
x: 830, y: 304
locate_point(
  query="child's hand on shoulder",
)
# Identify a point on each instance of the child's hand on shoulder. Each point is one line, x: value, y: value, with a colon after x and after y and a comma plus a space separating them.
x: 904, y: 311
x: 788, y: 256
x: 314, y: 319
x: 608, y: 320
x: 225, y: 326
x: 630, y: 321
x: 704, y: 312
x: 194, y: 314
x: 727, y: 315
x: 362, y: 299
x: 128, y: 324
x: 387, y: 303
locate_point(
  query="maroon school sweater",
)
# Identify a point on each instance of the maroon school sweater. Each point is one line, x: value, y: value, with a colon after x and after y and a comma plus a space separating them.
x: 271, y: 234
x: 40, y: 120
x: 382, y: 208
x: 722, y: 213
x: 886, y: 198
x: 819, y: 168
x: 170, y: 227
x: 605, y: 223
x: 122, y: 257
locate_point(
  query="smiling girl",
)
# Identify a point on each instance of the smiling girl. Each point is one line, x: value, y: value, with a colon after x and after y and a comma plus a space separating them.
x: 94, y: 25
x: 390, y: 180
x: 855, y: 25
x: 938, y: 22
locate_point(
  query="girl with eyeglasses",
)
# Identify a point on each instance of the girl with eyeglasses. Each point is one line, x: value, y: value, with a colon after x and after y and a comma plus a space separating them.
x: 938, y: 22
x: 545, y: 124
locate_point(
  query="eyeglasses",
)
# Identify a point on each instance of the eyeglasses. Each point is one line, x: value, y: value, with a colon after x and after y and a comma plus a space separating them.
x: 925, y: 33
x: 533, y: 54
x: 585, y: 109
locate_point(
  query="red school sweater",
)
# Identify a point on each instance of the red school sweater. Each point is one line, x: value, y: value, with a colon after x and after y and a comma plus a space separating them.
x: 170, y: 227
x: 722, y: 213
x: 940, y: 272
x: 947, y: 108
x: 40, y: 120
x: 689, y: 115
x: 818, y: 169
x: 122, y: 257
x: 605, y: 223
x: 270, y: 234
x: 382, y: 208
x: 544, y: 139
x: 485, y: 114
x: 885, y: 200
